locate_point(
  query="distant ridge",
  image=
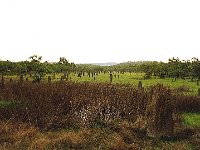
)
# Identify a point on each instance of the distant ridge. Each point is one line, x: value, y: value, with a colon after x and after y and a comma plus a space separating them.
x: 105, y: 64
x: 135, y: 62
x: 123, y: 63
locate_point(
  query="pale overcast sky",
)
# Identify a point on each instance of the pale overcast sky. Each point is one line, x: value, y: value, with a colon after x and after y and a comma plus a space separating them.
x: 86, y: 31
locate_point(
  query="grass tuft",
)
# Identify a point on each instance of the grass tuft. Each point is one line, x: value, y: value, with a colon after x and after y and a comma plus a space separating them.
x: 191, y: 119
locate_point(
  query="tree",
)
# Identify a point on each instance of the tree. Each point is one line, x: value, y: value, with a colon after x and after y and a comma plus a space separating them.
x: 35, y: 58
x: 7, y: 67
x: 161, y: 70
x: 21, y: 68
x: 174, y: 68
x: 63, y: 60
x: 195, y: 68
x: 39, y: 69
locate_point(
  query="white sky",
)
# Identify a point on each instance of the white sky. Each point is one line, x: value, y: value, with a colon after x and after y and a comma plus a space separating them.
x: 86, y: 31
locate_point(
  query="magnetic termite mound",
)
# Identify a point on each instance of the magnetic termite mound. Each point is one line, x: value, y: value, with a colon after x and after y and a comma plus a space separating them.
x: 159, y: 112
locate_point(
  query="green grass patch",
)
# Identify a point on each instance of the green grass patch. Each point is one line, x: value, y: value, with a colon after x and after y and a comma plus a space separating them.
x: 191, y: 119
x: 8, y: 104
x: 134, y: 78
x: 125, y: 78
x: 191, y: 88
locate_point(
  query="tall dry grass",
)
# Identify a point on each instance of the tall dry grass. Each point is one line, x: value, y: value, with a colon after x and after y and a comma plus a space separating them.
x: 160, y: 112
x: 63, y: 104
x: 70, y: 104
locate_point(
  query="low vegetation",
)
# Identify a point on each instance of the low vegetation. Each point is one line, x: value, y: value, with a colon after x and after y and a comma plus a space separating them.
x: 93, y: 107
x: 191, y: 120
x: 76, y: 115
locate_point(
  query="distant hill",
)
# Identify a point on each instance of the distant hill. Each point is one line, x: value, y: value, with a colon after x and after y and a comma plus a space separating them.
x: 105, y: 64
x: 123, y: 63
x: 134, y: 62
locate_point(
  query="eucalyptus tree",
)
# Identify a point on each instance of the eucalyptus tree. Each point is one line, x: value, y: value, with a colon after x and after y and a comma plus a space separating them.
x: 38, y: 69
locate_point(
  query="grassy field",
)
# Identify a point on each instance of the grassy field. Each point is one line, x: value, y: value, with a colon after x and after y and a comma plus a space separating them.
x: 126, y: 78
x: 134, y: 78
x: 116, y: 135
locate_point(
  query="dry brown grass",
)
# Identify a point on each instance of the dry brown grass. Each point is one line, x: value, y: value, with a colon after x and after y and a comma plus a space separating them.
x: 89, y: 110
x: 23, y: 136
x: 60, y: 104
x: 120, y: 136
x: 187, y: 103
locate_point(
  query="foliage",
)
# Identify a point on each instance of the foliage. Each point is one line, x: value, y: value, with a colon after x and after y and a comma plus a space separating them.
x: 7, y: 67
x: 38, y: 68
x: 97, y: 106
x: 174, y: 68
x: 195, y: 68
x: 35, y: 65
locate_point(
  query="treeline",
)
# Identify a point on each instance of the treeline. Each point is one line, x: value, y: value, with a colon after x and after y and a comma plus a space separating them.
x: 35, y: 67
x: 174, y: 68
